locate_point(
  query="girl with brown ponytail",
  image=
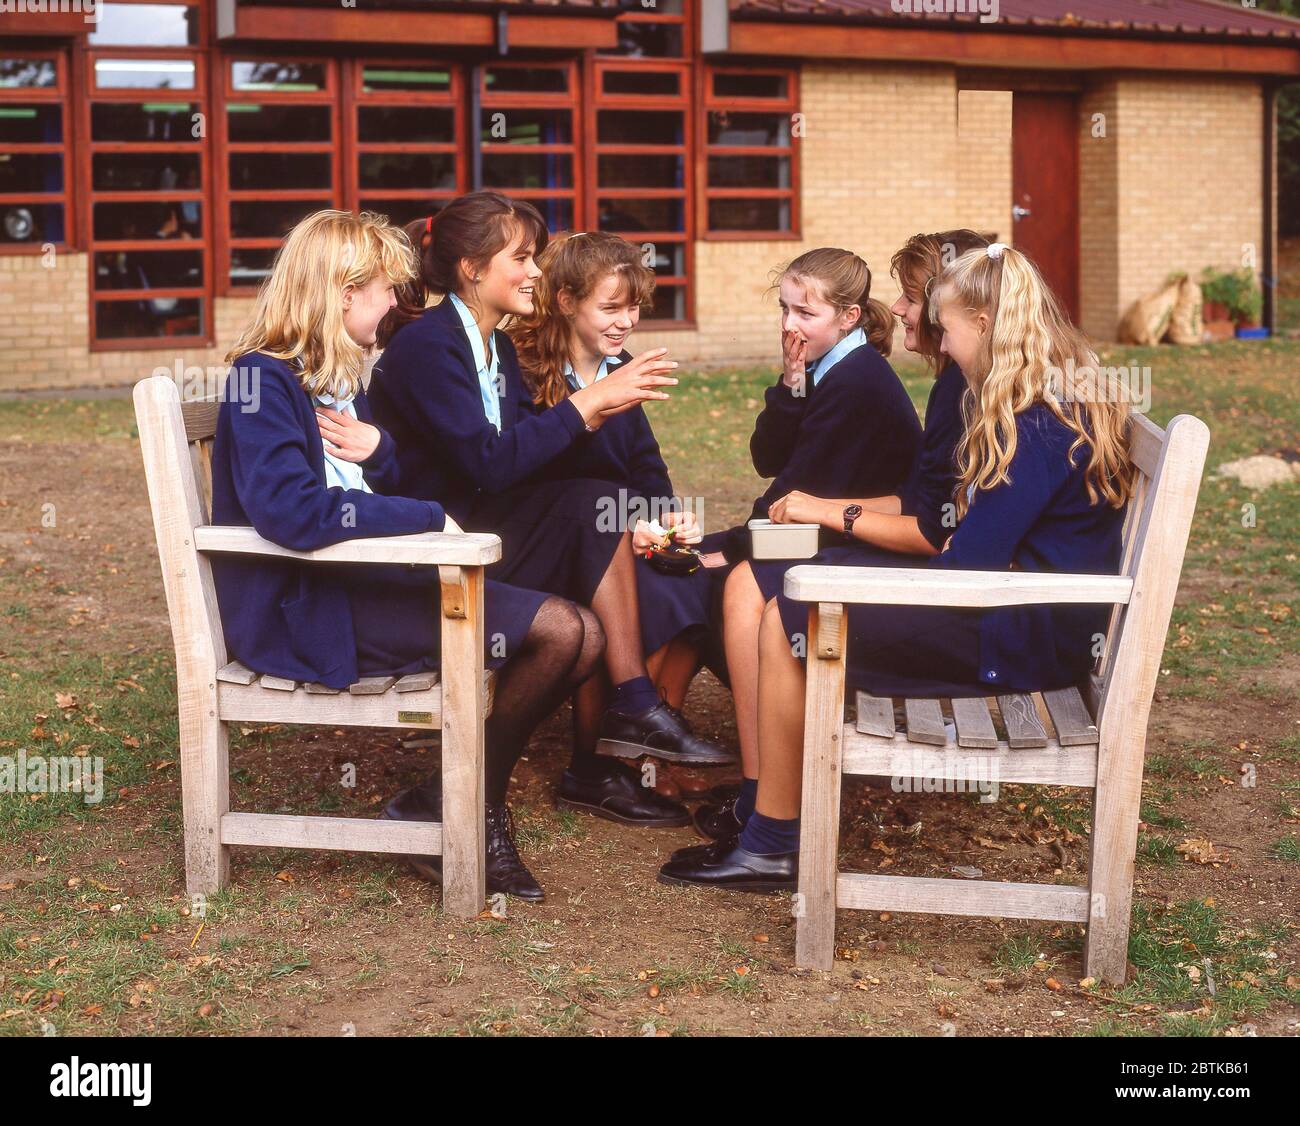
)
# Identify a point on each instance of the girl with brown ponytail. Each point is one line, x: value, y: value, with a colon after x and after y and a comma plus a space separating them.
x: 449, y: 389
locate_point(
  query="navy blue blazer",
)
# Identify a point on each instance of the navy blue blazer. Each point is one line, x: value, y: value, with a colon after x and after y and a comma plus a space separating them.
x: 1039, y: 520
x: 623, y: 450
x: 854, y: 434
x: 425, y: 391
x: 280, y: 616
x: 929, y: 486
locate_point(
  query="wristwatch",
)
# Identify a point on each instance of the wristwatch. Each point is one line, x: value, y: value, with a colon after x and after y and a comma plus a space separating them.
x: 850, y: 514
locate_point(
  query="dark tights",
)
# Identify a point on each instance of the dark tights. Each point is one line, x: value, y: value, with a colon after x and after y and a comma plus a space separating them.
x: 562, y: 649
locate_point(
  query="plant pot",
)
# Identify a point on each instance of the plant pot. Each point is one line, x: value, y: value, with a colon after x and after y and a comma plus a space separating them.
x: 1252, y: 332
x: 1215, y: 311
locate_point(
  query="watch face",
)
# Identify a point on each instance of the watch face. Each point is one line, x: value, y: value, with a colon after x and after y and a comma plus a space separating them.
x: 853, y: 512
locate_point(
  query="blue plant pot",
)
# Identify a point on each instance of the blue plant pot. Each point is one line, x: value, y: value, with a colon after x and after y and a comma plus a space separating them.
x: 1252, y: 333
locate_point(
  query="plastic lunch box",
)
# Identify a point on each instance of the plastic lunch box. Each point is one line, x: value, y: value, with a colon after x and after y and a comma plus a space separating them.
x: 783, y: 541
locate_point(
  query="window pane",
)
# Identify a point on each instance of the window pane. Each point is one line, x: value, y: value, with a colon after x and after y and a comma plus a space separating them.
x: 162, y: 316
x: 749, y: 172
x: 143, y: 121
x: 669, y: 258
x: 527, y: 126
x: 247, y: 121
x: 249, y: 170
x: 648, y: 40
x: 668, y: 303
x: 145, y: 25
x: 558, y: 213
x: 641, y: 82
x: 146, y: 74
x: 148, y: 269
x: 729, y: 85
x: 31, y: 222
x: 642, y: 215
x: 405, y: 76
x: 749, y: 214
x: 31, y: 172
x: 408, y: 170
x: 748, y: 128
x: 527, y: 170
x: 639, y: 127
x: 251, y: 265
x: 401, y: 211
x: 412, y: 124
x: 166, y: 219
x: 639, y: 170
x: 272, y: 218
x: 32, y: 73
x: 272, y: 75
x: 535, y: 79
x: 31, y: 124
x: 136, y: 172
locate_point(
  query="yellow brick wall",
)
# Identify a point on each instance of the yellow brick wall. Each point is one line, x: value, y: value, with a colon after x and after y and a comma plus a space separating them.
x: 1190, y: 156
x: 984, y: 161
x: 888, y: 151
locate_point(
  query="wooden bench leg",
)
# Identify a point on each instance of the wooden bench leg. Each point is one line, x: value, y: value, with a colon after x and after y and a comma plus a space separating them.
x: 205, y: 790
x: 464, y: 702
x: 1116, y: 803
x: 819, y: 826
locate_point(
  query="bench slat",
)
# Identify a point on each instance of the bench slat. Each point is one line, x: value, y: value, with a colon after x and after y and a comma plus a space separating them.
x: 372, y: 685
x: 993, y: 899
x: 1020, y: 718
x: 320, y: 689
x: 974, y: 724
x: 416, y: 682
x: 236, y: 672
x: 875, y: 715
x: 277, y: 683
x: 925, y: 722
x: 1074, y: 726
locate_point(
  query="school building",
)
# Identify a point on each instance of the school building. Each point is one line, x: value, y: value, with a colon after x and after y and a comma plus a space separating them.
x: 154, y: 152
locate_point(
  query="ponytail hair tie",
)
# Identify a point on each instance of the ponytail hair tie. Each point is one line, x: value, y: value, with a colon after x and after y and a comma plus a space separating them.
x: 428, y: 231
x: 995, y: 250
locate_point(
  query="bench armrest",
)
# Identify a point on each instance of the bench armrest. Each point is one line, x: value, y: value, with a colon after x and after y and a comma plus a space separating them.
x: 455, y: 549
x: 935, y: 586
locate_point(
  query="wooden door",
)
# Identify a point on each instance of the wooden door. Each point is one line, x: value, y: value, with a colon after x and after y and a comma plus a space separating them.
x: 1045, y: 189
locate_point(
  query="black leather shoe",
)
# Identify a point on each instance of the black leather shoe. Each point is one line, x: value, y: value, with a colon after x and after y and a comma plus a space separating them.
x: 717, y: 822
x: 728, y: 866
x: 505, y: 871
x: 620, y: 795
x: 661, y: 731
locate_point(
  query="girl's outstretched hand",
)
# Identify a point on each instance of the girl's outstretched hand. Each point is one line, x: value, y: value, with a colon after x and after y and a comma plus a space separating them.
x: 629, y: 384
x: 346, y: 437
x: 794, y: 354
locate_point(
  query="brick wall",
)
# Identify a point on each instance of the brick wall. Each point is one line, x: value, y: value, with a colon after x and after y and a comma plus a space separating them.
x: 984, y: 161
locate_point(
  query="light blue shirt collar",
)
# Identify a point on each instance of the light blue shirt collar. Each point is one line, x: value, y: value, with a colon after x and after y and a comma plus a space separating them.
x: 575, y: 380
x: 487, y: 368
x: 339, y: 473
x: 855, y: 339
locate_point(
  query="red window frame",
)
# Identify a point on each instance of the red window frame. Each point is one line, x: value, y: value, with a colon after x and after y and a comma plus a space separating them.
x: 58, y: 94
x: 333, y: 196
x: 355, y: 96
x: 195, y: 95
x: 711, y: 102
x: 522, y: 99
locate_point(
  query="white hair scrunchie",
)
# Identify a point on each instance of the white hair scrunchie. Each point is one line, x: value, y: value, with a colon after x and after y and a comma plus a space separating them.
x: 995, y: 250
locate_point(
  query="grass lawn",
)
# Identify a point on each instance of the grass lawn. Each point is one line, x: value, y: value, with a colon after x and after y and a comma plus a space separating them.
x: 96, y: 934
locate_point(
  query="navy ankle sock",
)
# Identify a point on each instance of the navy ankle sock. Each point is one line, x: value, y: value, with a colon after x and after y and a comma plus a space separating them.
x: 745, y: 799
x: 635, y: 695
x: 767, y: 836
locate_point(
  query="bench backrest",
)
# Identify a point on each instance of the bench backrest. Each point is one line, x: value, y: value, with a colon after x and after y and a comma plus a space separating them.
x: 1156, y: 529
x: 176, y: 443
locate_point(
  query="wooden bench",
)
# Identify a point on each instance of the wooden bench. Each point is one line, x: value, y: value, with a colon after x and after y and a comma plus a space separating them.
x: 213, y: 690
x: 1097, y: 734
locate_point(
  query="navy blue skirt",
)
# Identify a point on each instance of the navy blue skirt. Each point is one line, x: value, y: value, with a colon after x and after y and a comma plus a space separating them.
x: 397, y: 619
x: 917, y: 651
x: 673, y: 604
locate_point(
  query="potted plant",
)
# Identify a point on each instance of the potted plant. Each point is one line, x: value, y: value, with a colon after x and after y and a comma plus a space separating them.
x: 1235, y: 297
